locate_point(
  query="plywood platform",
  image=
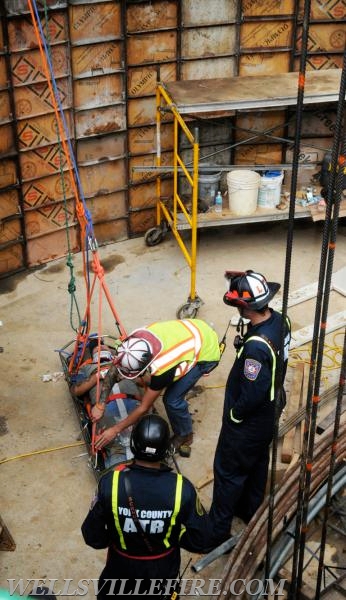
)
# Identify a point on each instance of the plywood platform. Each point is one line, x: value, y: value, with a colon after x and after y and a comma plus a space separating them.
x: 247, y: 92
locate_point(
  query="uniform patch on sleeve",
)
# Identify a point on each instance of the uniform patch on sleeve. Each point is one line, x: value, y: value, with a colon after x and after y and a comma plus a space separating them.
x: 252, y: 368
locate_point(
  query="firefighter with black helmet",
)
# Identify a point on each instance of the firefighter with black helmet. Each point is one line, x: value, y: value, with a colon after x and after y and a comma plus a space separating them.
x: 254, y: 385
x: 143, y: 513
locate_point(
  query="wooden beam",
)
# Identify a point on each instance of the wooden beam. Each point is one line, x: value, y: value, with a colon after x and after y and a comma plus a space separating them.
x: 294, y: 403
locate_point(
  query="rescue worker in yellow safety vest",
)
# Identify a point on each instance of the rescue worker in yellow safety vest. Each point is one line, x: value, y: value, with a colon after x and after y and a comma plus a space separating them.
x: 143, y: 513
x: 172, y: 355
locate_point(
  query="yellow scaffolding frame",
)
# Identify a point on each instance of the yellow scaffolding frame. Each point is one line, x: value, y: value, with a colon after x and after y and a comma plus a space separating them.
x: 165, y: 104
x: 221, y: 95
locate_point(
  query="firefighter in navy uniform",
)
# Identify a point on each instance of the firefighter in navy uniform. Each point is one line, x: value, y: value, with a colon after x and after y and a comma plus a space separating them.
x: 143, y: 513
x: 242, y: 453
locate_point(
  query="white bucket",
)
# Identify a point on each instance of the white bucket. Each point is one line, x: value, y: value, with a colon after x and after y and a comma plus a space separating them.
x: 270, y: 189
x: 243, y: 191
x: 208, y: 185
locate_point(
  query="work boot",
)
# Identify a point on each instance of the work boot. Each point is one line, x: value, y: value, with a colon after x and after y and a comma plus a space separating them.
x: 182, y: 444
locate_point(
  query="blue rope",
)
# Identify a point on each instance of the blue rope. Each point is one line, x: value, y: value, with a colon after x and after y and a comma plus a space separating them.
x: 90, y: 235
x: 57, y: 98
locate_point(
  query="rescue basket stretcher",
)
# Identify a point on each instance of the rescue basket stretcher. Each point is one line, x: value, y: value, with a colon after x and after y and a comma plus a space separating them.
x: 119, y: 451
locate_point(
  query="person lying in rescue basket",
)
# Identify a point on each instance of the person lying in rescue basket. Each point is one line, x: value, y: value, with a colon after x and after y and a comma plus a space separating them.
x: 143, y: 513
x: 123, y: 398
x: 254, y: 385
x: 174, y: 355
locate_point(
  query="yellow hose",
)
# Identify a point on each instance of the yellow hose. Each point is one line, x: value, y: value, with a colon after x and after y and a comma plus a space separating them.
x: 5, y: 460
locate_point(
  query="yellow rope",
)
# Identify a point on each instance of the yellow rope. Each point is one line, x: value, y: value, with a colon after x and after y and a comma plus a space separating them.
x: 4, y: 460
x: 296, y: 356
x: 213, y: 387
x: 330, y: 352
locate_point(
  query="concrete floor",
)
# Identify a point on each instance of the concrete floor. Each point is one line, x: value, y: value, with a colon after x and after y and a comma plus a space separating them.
x: 45, y: 497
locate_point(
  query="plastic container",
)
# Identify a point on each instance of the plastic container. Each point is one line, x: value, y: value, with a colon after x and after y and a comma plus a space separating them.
x: 270, y: 189
x: 208, y: 185
x: 243, y: 188
x: 218, y: 203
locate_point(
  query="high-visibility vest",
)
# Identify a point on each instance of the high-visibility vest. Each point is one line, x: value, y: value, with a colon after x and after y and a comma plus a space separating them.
x: 184, y: 343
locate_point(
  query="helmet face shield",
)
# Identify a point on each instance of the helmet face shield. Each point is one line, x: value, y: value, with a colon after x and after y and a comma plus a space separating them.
x: 232, y: 299
x: 232, y: 296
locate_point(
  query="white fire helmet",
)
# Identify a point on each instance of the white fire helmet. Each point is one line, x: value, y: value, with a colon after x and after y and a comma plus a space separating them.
x: 134, y: 356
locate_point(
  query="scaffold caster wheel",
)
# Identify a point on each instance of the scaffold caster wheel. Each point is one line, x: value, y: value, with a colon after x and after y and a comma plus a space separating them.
x: 154, y: 236
x: 187, y: 311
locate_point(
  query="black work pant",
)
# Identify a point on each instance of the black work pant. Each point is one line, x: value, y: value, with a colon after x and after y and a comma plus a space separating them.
x: 151, y: 572
x: 240, y: 477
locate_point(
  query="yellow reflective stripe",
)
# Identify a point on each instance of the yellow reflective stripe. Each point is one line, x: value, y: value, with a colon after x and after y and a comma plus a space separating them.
x: 177, y: 504
x: 115, y: 488
x: 233, y: 418
x: 240, y: 351
x: 260, y: 339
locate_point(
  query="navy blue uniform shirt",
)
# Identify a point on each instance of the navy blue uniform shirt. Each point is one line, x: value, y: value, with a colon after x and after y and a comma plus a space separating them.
x: 248, y: 398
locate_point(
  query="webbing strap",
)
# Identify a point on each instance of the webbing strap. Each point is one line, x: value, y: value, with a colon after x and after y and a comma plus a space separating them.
x: 134, y: 515
x: 118, y: 398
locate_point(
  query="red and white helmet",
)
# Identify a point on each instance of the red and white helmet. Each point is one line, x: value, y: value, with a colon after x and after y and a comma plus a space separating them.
x: 249, y: 289
x: 134, y: 356
x: 137, y: 352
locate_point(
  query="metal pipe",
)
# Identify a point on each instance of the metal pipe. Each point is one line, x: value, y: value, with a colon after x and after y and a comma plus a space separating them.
x: 214, y: 554
x: 251, y: 547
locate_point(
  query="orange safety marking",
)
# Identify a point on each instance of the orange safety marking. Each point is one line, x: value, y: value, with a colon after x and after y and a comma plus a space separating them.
x: 332, y: 245
x: 301, y: 80
x: 323, y: 324
x: 334, y: 447
x: 316, y: 399
x: 309, y: 467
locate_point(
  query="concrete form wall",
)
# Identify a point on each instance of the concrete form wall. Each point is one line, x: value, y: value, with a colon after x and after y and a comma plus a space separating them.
x: 107, y: 57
